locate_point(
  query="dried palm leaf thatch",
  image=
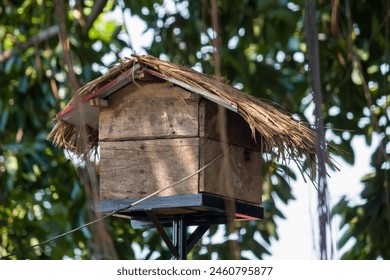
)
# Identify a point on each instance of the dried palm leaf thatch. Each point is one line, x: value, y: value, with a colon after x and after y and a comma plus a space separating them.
x: 281, y: 135
x: 276, y: 127
x: 73, y: 137
x: 77, y: 139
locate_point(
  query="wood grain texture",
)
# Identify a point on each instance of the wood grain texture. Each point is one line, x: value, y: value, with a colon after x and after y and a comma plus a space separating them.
x: 146, y: 110
x: 149, y: 136
x: 131, y: 169
x: 244, y: 169
x: 238, y: 130
x: 97, y: 102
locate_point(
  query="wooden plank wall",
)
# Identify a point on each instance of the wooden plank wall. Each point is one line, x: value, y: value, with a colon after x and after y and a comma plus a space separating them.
x: 149, y: 110
x: 244, y: 171
x: 238, y: 130
x: 137, y: 168
x: 154, y: 134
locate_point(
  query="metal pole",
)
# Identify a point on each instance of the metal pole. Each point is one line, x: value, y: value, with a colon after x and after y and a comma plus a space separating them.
x: 164, y: 235
x: 180, y: 237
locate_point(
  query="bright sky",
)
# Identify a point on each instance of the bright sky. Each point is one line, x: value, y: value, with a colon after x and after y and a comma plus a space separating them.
x: 300, y: 228
x: 296, y: 233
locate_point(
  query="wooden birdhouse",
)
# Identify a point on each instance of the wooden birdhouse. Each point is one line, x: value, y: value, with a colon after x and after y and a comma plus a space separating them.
x: 152, y: 134
x: 158, y: 125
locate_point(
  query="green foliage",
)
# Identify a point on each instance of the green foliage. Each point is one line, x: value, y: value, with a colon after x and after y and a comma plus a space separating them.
x: 262, y: 52
x: 40, y: 194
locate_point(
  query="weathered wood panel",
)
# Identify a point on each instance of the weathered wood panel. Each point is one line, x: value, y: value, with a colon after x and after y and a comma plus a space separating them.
x: 149, y: 137
x: 243, y: 172
x: 238, y: 130
x: 146, y: 110
x: 131, y: 169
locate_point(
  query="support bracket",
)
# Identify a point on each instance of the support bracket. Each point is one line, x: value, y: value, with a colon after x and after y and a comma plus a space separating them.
x: 179, y: 246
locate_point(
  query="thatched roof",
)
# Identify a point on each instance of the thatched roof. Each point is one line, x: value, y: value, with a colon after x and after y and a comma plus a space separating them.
x: 281, y: 134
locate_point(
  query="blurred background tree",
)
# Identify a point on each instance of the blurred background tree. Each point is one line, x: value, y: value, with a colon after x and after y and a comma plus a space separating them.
x: 48, y: 49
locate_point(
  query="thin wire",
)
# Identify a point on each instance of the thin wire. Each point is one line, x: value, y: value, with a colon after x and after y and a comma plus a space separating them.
x: 58, y: 236
x: 119, y: 210
x: 178, y: 182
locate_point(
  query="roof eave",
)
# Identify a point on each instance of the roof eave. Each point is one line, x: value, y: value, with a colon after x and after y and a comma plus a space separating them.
x: 88, y: 115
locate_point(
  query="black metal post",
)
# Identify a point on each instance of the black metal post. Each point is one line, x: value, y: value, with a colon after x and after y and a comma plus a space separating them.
x: 180, y: 245
x: 172, y: 248
x: 205, y: 209
x: 179, y: 237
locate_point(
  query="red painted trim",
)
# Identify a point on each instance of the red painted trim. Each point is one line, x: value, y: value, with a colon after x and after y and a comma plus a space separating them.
x: 246, y: 217
x: 91, y: 95
x: 157, y: 74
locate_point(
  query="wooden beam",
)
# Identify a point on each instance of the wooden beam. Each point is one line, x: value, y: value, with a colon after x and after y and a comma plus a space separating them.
x: 98, y: 102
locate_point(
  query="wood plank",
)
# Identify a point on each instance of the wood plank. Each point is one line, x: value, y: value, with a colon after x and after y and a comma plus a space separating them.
x: 131, y: 169
x: 147, y: 110
x: 98, y: 102
x: 244, y: 172
x: 238, y: 130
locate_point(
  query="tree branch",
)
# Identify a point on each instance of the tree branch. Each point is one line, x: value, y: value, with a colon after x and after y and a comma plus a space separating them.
x: 50, y: 33
x: 216, y: 39
x: 47, y: 34
x: 97, y: 9
x: 64, y: 39
x: 314, y: 72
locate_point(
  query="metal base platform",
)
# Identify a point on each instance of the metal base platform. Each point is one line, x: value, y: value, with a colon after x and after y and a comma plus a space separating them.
x: 178, y: 212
